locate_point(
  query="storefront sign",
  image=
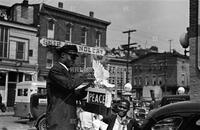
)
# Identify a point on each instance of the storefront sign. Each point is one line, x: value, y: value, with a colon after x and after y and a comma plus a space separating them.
x: 81, y: 48
x: 98, y: 98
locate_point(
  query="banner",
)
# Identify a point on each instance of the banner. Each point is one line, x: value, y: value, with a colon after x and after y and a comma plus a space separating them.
x: 81, y: 48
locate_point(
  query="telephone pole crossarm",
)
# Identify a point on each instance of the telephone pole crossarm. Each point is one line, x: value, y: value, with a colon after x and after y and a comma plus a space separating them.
x: 128, y: 49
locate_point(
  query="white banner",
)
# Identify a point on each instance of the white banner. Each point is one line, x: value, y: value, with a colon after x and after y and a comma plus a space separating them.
x: 81, y: 48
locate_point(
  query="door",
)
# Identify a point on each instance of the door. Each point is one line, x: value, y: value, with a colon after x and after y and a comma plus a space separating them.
x: 11, y: 94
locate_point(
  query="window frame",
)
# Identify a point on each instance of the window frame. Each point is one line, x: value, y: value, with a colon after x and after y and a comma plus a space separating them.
x: 84, y: 35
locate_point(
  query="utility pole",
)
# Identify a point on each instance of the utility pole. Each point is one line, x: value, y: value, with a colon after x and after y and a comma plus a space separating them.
x: 170, y: 45
x: 128, y: 49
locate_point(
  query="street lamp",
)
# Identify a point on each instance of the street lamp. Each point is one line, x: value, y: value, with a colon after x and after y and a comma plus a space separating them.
x: 184, y: 41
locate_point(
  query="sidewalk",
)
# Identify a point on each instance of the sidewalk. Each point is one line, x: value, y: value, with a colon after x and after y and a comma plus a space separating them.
x: 9, y: 112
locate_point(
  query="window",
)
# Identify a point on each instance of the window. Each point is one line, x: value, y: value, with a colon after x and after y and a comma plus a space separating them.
x: 51, y: 28
x: 3, y: 42
x: 146, y: 80
x: 30, y: 53
x: 49, y: 59
x: 24, y: 12
x: 140, y: 81
x: 135, y: 81
x: 20, y: 52
x: 28, y: 77
x: 84, y: 36
x: 183, y: 79
x: 22, y: 92
x: 154, y: 80
x: 98, y: 39
x: 160, y: 81
x: 42, y: 91
x: 170, y: 123
x: 83, y: 61
x: 68, y: 34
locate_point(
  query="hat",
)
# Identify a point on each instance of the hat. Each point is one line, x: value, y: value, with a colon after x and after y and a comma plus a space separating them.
x: 124, y: 103
x: 69, y: 49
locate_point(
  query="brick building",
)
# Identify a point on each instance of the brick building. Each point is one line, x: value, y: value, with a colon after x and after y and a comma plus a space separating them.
x: 59, y: 26
x: 161, y: 72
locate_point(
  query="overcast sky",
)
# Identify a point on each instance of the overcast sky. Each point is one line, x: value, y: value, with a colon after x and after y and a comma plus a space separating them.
x: 155, y: 21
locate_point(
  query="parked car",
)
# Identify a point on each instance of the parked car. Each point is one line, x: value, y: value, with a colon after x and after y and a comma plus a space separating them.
x: 183, y: 115
x: 173, y: 98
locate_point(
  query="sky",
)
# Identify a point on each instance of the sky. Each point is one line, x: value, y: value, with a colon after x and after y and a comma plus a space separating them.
x: 157, y: 22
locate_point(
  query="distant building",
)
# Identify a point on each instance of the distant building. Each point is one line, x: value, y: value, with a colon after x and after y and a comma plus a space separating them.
x: 161, y: 72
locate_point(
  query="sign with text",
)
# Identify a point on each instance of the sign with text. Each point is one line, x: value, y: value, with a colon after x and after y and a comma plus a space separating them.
x: 97, y: 98
x: 81, y: 48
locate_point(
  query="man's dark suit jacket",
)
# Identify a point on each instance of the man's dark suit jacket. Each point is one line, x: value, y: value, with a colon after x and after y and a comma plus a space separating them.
x: 110, y: 120
x: 61, y: 97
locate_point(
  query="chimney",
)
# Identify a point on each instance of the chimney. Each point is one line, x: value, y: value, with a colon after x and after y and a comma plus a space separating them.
x: 91, y: 14
x: 60, y: 5
x: 25, y: 3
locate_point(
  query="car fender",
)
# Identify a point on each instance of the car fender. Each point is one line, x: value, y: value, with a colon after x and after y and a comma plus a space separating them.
x: 38, y: 119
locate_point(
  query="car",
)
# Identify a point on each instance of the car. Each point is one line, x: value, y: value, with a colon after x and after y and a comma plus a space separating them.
x: 173, y: 98
x: 183, y: 115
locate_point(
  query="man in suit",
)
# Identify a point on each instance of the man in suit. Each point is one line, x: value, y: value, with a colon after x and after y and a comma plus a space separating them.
x: 61, y: 91
x: 121, y: 121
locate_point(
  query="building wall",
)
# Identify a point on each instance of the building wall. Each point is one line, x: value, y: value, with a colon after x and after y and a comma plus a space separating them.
x: 194, y: 43
x: 61, y: 19
x: 158, y: 71
x: 18, y: 17
x: 32, y: 43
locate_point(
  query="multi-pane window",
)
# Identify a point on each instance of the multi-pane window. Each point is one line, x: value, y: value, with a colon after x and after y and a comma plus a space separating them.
x: 84, y: 36
x: 49, y: 59
x: 83, y: 62
x: 20, y: 50
x: 98, y: 39
x: 154, y: 80
x: 3, y: 41
x: 68, y: 34
x: 51, y: 28
x: 146, y: 80
x: 22, y: 92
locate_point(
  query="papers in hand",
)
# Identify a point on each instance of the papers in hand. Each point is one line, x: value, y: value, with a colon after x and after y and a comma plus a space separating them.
x: 81, y: 86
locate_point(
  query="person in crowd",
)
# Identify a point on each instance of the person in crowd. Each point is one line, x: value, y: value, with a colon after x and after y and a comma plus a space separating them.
x: 62, y: 91
x: 86, y: 119
x: 121, y: 121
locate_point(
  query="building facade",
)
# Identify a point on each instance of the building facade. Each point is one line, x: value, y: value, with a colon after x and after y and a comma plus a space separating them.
x: 18, y: 50
x: 194, y: 43
x: 117, y: 68
x: 59, y: 27
x: 161, y: 73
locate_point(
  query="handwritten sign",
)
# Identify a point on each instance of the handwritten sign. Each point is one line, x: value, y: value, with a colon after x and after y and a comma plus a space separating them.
x: 81, y: 48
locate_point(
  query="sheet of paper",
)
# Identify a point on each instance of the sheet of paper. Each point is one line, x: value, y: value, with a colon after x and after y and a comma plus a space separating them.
x: 81, y: 86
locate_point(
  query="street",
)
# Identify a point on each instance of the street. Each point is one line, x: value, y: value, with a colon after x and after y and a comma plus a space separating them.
x: 14, y: 123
